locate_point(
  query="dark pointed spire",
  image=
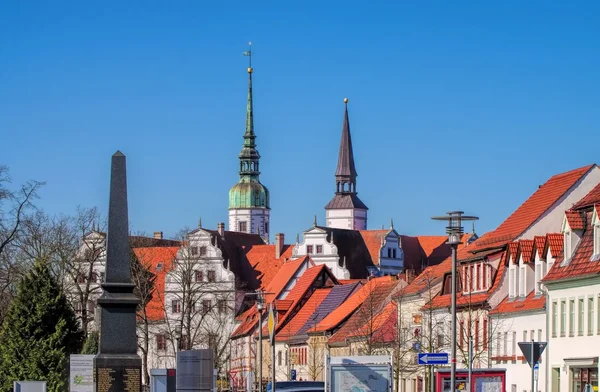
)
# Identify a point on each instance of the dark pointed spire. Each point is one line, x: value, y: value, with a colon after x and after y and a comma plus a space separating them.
x: 345, y: 173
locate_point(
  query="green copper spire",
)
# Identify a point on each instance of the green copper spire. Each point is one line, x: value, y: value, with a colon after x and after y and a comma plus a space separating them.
x: 249, y: 192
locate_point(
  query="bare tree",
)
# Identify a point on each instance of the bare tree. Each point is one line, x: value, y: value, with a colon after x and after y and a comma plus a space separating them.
x: 199, y: 301
x: 14, y: 206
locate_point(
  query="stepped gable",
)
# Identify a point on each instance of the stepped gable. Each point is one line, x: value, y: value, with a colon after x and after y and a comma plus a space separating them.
x: 351, y: 247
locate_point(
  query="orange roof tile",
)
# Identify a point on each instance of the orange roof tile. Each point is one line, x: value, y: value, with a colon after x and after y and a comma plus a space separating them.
x: 376, y: 326
x: 430, y: 243
x: 539, y: 242
x: 532, y: 208
x: 555, y: 244
x: 517, y: 305
x: 263, y: 261
x: 373, y: 240
x: 574, y: 219
x: 513, y: 249
x: 427, y: 279
x: 526, y: 250
x: 593, y: 197
x: 157, y: 260
x: 580, y: 264
x: 305, y: 313
x: 351, y: 304
x: 350, y: 281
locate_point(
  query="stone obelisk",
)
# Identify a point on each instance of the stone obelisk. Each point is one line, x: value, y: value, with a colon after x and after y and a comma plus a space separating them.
x: 117, y: 367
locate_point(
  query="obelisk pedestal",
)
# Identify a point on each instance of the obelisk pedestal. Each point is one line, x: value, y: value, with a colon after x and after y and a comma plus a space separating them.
x: 117, y: 367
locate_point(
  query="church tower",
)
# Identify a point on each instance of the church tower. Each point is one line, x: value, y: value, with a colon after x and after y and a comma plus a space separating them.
x: 249, y: 209
x: 346, y: 210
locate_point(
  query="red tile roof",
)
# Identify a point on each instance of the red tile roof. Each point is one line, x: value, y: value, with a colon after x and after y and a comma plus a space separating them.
x: 580, y: 265
x: 517, y: 305
x: 526, y: 250
x: 305, y: 313
x: 157, y: 260
x: 574, y: 219
x: 373, y: 240
x: 377, y: 327
x: 593, y: 197
x: 531, y: 210
x: 555, y: 244
x: 539, y: 242
x: 430, y: 243
x: 249, y: 318
x: 346, y: 309
x: 513, y: 249
x: 262, y: 259
x: 427, y: 279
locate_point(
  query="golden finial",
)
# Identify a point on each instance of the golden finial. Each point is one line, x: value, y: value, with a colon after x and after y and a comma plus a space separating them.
x: 250, y: 70
x: 345, y: 100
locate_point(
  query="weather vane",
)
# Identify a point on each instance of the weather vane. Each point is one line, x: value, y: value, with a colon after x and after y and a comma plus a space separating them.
x: 249, y: 54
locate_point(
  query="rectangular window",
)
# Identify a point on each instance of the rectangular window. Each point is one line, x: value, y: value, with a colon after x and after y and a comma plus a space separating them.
x: 183, y: 343
x: 222, y: 306
x: 206, y: 306
x: 278, y: 359
x: 563, y: 318
x: 242, y: 227
x: 514, y: 343
x: 161, y: 342
x: 524, y: 336
x: 199, y: 276
x: 462, y: 334
x: 319, y: 249
x: 498, y: 343
x: 596, y: 240
x: 175, y: 306
x: 511, y: 282
x: 476, y: 337
x: 440, y: 340
x: 389, y: 252
x: 478, y: 277
x: 203, y: 251
x: 571, y: 317
x: 194, y: 250
x: 485, y: 277
x: 485, y: 333
x: 212, y: 276
x: 505, y: 343
x: 538, y: 277
x: 522, y: 282
x: 309, y: 249
x: 472, y: 277
x: 580, y: 317
x: 590, y: 327
x: 394, y: 253
x: 554, y: 318
x: 539, y: 335
x: 266, y: 227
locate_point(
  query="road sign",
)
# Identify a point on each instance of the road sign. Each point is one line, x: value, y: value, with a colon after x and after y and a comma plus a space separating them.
x: 272, y: 321
x: 293, y: 375
x: 433, y: 358
x: 538, y: 349
x: 536, y: 369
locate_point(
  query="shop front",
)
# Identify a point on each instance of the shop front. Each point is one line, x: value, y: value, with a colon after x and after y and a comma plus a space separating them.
x: 583, y: 374
x: 484, y: 380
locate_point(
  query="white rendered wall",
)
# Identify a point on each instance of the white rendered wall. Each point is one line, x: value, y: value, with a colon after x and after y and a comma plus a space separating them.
x: 255, y: 219
x: 329, y: 256
x: 349, y: 219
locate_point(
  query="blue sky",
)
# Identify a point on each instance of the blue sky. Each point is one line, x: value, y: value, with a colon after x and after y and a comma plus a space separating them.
x: 453, y: 105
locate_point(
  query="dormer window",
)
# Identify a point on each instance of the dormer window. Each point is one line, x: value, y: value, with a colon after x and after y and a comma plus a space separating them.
x: 596, y: 254
x: 567, y: 245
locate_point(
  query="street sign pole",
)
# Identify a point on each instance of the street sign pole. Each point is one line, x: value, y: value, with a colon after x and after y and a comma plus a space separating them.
x: 536, y: 369
x: 272, y: 323
x: 534, y: 360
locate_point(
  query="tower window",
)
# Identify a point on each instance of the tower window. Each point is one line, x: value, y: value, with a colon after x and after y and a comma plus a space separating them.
x: 389, y: 253
x: 394, y: 253
x: 242, y: 226
x: 266, y: 227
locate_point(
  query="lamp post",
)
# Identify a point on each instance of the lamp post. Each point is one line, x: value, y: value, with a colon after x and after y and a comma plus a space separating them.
x: 260, y: 304
x: 455, y: 232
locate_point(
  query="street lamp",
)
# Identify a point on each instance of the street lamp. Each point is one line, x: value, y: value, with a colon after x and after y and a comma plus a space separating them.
x: 455, y: 232
x: 260, y: 304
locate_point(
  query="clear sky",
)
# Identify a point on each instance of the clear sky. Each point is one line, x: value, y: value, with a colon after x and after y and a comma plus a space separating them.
x: 453, y: 105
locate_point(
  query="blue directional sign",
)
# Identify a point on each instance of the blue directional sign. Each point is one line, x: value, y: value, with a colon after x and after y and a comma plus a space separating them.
x: 433, y: 358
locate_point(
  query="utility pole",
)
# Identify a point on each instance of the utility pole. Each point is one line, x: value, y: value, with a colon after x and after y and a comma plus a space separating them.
x: 259, y: 307
x: 533, y: 362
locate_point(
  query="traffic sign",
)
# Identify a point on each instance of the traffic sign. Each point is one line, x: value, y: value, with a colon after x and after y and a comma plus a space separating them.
x: 433, y: 358
x: 538, y: 349
x: 272, y: 321
x: 536, y: 369
x: 293, y: 375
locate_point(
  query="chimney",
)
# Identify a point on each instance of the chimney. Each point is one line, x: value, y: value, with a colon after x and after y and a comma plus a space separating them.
x: 279, y: 241
x: 158, y: 235
x: 221, y: 228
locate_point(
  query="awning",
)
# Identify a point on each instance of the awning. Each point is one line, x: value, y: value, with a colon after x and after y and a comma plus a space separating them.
x: 581, y: 362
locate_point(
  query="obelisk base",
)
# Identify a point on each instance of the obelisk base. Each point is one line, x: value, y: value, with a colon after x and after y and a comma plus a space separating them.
x: 118, y: 373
